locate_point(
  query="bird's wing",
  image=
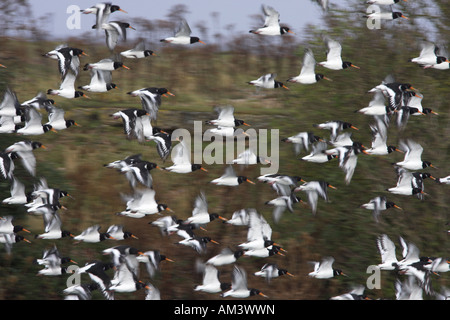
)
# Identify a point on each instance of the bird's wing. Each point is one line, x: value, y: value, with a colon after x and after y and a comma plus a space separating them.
x: 181, y: 154
x: 211, y: 275
x: 201, y: 205
x: 386, y: 247
x: 226, y: 113
x: 239, y: 281
x: 334, y: 50
x: 272, y: 17
x: 183, y: 29
x: 309, y: 63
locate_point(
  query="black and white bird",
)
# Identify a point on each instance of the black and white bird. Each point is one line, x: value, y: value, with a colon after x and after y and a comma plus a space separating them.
x: 271, y: 25
x: 413, y: 156
x: 404, y: 184
x: 151, y: 99
x: 117, y: 232
x: 53, y: 229
x: 281, y: 179
x: 444, y: 180
x: 10, y: 105
x: 385, y: 15
x: 429, y: 55
x: 307, y: 73
x: 80, y: 291
x: 318, y: 155
x: 267, y: 81
x: 7, y: 226
x: 240, y: 218
x: 24, y: 150
x: 129, y: 119
x: 386, y: 249
x: 377, y: 106
x: 9, y: 125
x: 114, y: 31
x: 379, y: 204
x: 9, y: 239
x: 68, y: 59
x: 97, y: 273
x: 225, y: 118
x: 152, y: 259
x: 33, y: 124
x: 197, y: 243
x: 324, y: 269
x: 410, y: 253
x: 357, y: 293
x: 334, y: 59
x: 139, y: 171
x: 67, y: 88
x: 348, y: 158
x: 379, y: 131
x: 142, y: 203
x: 107, y: 64
x: 18, y: 194
x: 102, y: 11
x: 225, y: 257
x: 182, y: 35
x: 53, y: 257
x: 239, y: 288
x: 259, y: 234
x: 7, y: 165
x: 335, y: 127
x: 138, y: 52
x: 92, y: 235
x: 101, y: 81
x: 249, y: 157
x: 229, y: 178
x: 313, y: 190
x: 285, y: 201
x: 394, y: 91
x: 270, y: 271
x: 302, y: 141
x: 56, y: 118
x: 200, y: 214
x: 40, y: 101
x: 181, y: 158
x: 211, y: 282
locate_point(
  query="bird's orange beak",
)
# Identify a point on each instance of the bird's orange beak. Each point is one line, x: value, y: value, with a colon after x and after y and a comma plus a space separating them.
x: 249, y: 181
x: 355, y: 128
x: 356, y: 67
x: 127, y: 12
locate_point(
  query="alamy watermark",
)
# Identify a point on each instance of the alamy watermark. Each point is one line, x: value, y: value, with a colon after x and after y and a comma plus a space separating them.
x: 373, y: 21
x: 74, y: 20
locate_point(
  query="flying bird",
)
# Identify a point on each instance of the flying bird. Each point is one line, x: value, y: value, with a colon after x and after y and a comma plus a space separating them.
x: 182, y: 35
x: 334, y: 59
x: 267, y: 81
x: 271, y: 25
x: 239, y: 287
x: 307, y: 73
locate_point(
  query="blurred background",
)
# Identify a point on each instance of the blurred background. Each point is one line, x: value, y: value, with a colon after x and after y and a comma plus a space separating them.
x: 205, y: 76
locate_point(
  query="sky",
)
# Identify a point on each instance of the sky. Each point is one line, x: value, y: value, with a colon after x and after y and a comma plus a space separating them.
x: 295, y: 14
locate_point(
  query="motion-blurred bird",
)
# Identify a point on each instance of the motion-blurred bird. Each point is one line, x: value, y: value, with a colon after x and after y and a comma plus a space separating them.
x: 271, y: 25
x: 267, y: 81
x: 182, y: 35
x: 307, y: 73
x: 324, y: 269
x: 239, y: 287
x: 334, y: 59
